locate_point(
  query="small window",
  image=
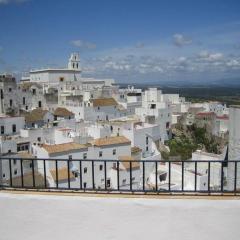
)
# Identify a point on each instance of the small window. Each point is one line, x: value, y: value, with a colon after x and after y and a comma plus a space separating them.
x: 26, y: 107
x: 84, y: 185
x: 34, y: 91
x: 100, y: 167
x: 98, y: 108
x: 61, y: 79
x: 24, y: 100
x: 15, y: 172
x: 114, y: 151
x: 4, y: 175
x: 14, y: 161
x: 39, y: 104
x: 14, y: 128
x: 10, y: 102
x: 85, y: 170
x: 147, y: 148
x: 9, y: 89
x: 30, y: 165
x: 146, y: 140
x: 100, y: 154
x: 85, y: 156
x: 39, y: 139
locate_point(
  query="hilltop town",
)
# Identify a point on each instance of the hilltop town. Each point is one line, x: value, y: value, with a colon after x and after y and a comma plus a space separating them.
x: 58, y: 114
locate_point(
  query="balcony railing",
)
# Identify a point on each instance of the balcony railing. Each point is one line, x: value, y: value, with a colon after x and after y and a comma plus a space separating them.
x: 115, y: 176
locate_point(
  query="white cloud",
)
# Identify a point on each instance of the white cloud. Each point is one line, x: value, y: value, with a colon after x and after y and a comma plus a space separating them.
x: 179, y: 40
x: 83, y: 44
x: 211, y: 57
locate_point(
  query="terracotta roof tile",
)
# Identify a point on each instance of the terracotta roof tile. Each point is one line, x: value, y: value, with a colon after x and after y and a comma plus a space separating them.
x: 63, y: 112
x: 35, y: 115
x: 136, y: 150
x: 103, y: 102
x: 110, y: 141
x: 65, y: 147
x: 125, y: 161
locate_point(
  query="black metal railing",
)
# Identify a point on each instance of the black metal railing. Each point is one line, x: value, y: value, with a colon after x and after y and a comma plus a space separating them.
x: 120, y: 176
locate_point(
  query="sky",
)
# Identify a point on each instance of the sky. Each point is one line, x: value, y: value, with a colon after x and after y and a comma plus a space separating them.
x: 128, y: 40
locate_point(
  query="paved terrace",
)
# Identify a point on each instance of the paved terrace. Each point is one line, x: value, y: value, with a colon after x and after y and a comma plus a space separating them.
x: 61, y: 217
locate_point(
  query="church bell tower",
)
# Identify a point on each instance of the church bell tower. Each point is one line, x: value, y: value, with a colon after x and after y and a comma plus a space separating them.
x: 74, y: 62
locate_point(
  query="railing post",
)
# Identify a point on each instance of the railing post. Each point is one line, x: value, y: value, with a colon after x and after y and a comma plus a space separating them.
x: 130, y: 175
x: 80, y: 170
x: 10, y: 170
x: 209, y: 175
x: 156, y: 175
x: 105, y: 175
x: 68, y: 168
x: 44, y: 171
x: 182, y: 176
x: 56, y: 166
x: 93, y: 181
x: 33, y: 174
x: 169, y: 176
x: 21, y: 164
x: 118, y: 187
x: 195, y: 180
x: 143, y: 175
x: 235, y: 178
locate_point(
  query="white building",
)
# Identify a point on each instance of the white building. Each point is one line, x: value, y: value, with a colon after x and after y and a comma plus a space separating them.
x: 155, y: 110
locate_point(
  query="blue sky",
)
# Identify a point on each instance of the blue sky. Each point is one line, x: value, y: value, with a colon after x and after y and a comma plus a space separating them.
x: 128, y: 40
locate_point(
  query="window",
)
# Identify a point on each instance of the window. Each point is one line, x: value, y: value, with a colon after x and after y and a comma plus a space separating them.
x: 2, y: 129
x: 14, y: 161
x: 10, y: 102
x: 26, y: 107
x: 61, y: 79
x: 146, y: 140
x: 14, y: 128
x: 100, y: 167
x: 30, y: 165
x: 34, y: 91
x: 124, y: 181
x: 9, y: 89
x: 147, y: 148
x: 98, y: 108
x: 114, y: 151
x: 100, y: 154
x: 39, y: 139
x: 24, y: 100
x: 85, y: 156
x: 39, y: 104
x: 18, y: 148
x: 84, y: 185
x: 4, y: 175
x: 85, y: 170
x: 15, y: 172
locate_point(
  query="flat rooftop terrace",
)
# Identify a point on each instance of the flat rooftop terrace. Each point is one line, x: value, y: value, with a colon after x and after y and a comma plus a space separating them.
x: 41, y: 217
